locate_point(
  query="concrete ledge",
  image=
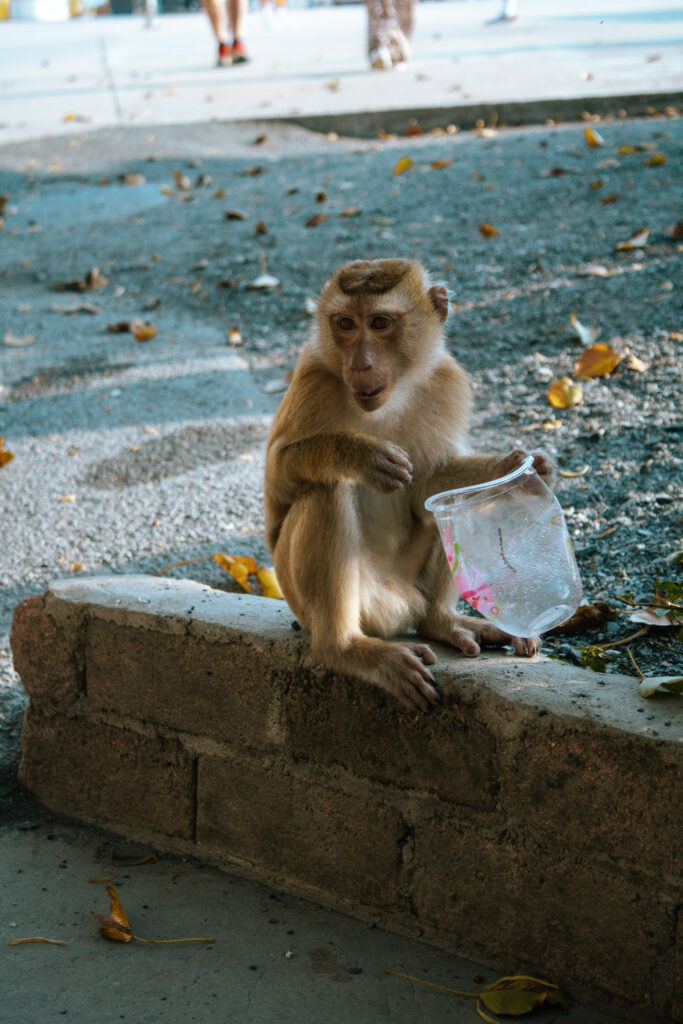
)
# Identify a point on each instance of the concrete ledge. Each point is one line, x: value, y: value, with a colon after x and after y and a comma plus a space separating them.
x: 533, y: 821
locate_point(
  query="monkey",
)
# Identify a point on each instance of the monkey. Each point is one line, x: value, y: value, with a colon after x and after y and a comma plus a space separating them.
x: 375, y: 420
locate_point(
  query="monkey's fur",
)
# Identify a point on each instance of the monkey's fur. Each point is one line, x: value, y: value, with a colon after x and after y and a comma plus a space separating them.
x: 374, y: 422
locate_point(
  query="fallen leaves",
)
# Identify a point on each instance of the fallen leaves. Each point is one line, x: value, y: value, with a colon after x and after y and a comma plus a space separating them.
x: 403, y: 165
x: 90, y: 281
x: 37, y: 938
x: 5, y: 455
x: 141, y: 331
x: 116, y: 928
x: 593, y: 138
x: 241, y: 567
x: 440, y: 165
x: 487, y: 230
x: 636, y: 241
x: 515, y: 994
x: 586, y: 618
x: 316, y: 219
x: 597, y: 361
x: 18, y: 341
x: 586, y: 334
x: 564, y: 393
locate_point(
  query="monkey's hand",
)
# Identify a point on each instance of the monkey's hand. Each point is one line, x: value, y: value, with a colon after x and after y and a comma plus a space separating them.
x: 387, y: 468
x: 509, y: 463
x: 403, y: 672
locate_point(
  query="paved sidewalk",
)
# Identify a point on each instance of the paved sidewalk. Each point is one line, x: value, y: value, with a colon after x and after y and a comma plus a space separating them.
x: 111, y: 71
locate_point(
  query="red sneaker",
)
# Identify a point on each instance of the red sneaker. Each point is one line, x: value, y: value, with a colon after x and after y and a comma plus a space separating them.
x: 225, y: 57
x: 239, y: 52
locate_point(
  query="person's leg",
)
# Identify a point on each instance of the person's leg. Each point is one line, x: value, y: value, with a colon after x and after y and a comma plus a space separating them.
x: 237, y: 16
x: 218, y: 18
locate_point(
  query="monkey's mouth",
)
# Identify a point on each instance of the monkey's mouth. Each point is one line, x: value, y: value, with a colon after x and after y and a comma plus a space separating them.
x: 372, y: 398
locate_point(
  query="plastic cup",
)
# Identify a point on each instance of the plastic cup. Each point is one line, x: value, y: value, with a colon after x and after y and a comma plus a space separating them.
x: 509, y: 551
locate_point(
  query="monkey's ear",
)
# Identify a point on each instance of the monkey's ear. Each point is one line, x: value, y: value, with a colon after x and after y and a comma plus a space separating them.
x: 438, y: 296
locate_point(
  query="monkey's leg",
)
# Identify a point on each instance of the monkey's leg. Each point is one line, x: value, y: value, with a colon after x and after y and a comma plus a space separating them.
x: 318, y: 565
x: 466, y: 632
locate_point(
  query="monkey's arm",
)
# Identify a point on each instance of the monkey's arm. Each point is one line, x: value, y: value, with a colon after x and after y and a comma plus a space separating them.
x: 468, y: 470
x: 336, y: 456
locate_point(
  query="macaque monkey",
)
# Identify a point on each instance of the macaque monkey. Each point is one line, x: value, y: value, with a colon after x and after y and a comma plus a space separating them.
x: 374, y: 422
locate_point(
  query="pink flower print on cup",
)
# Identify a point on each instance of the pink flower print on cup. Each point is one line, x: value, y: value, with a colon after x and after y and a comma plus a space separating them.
x: 472, y: 586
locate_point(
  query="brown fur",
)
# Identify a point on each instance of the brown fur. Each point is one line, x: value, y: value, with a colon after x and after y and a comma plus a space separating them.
x: 374, y: 422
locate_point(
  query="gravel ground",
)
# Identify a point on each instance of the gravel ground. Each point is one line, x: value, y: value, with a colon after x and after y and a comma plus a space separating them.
x: 129, y: 456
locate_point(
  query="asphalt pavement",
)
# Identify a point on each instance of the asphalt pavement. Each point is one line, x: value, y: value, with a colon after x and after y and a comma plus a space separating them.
x: 129, y: 455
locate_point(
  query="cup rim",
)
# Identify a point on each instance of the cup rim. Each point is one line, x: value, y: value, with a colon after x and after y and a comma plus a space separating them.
x: 443, y: 499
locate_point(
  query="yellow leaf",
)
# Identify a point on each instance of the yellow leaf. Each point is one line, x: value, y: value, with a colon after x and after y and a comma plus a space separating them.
x: 656, y: 160
x: 5, y: 455
x: 627, y: 149
x: 487, y: 230
x: 115, y: 926
x: 438, y: 165
x: 574, y: 472
x: 592, y: 137
x: 66, y: 497
x: 271, y: 587
x: 565, y: 393
x: 403, y: 165
x: 597, y: 361
x: 635, y: 242
x: 37, y: 938
x: 240, y: 567
x: 77, y: 566
x: 142, y: 331
x: 351, y: 211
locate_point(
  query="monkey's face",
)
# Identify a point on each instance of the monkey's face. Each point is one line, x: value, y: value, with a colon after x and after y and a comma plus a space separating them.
x: 368, y: 342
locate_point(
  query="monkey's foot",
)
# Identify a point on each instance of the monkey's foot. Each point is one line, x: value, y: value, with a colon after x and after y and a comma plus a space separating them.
x: 468, y: 634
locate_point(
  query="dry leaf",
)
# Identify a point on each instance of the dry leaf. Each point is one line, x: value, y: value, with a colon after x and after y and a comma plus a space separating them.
x: 119, y: 327
x: 656, y: 160
x: 597, y: 361
x: 564, y: 393
x: 261, y: 228
x: 403, y: 165
x: 268, y: 581
x: 351, y: 211
x: 487, y: 230
x: 5, y: 455
x: 77, y: 566
x: 115, y: 926
x: 439, y: 165
x: 654, y: 615
x: 634, y: 363
x: 333, y: 85
x: 586, y: 618
x: 317, y: 218
x: 14, y: 341
x: 628, y: 149
x: 613, y: 197
x: 592, y: 137
x: 234, y: 215
x: 573, y: 473
x: 142, y: 331
x: 37, y: 938
x: 260, y: 140
x: 240, y: 567
x: 635, y: 242
x: 133, y: 178
x: 220, y: 193
x: 235, y: 336
x: 252, y: 172
x: 413, y: 128
x: 67, y: 497
x: 182, y: 181
x: 80, y: 307
x: 89, y: 282
x: 586, y: 334
x: 166, y: 190
x: 263, y: 282
x: 651, y: 684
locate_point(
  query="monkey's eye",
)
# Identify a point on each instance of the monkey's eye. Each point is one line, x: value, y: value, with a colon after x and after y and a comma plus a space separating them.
x: 381, y: 322
x: 346, y: 323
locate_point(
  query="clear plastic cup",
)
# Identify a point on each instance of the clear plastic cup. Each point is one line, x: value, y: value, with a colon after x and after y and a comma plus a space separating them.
x: 507, y: 544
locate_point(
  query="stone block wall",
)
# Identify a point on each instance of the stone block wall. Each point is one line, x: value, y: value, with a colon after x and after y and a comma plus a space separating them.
x: 532, y: 821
